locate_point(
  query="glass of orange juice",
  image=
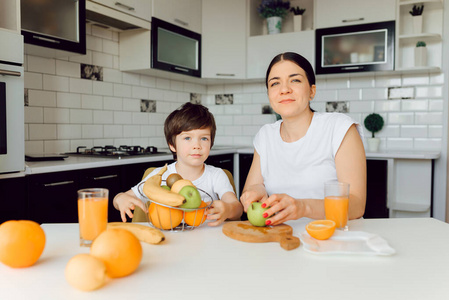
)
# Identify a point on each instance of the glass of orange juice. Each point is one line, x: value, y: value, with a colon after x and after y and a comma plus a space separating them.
x: 92, y: 214
x: 336, y: 203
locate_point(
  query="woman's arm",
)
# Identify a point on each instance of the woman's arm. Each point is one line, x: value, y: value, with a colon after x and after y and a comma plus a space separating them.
x: 350, y: 162
x: 254, y: 189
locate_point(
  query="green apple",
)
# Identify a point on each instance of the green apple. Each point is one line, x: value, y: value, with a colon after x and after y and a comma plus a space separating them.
x: 166, y: 187
x: 255, y: 214
x: 193, y: 197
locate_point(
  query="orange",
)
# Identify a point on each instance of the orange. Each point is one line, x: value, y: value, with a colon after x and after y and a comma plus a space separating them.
x: 190, y: 219
x: 120, y: 251
x: 321, y: 229
x: 163, y: 217
x: 21, y: 243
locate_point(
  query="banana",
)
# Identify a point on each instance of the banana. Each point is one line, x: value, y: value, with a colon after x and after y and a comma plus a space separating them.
x: 153, y: 190
x: 143, y: 233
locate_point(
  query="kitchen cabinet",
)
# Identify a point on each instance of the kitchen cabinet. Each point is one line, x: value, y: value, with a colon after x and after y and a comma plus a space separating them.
x: 13, y: 204
x: 137, y: 8
x: 10, y: 36
x: 108, y: 178
x: 407, y: 36
x: 330, y: 13
x: 186, y: 14
x: 224, y: 39
x: 52, y: 197
x: 54, y: 28
x: 376, y: 189
x: 223, y: 161
x: 10, y: 15
x: 262, y: 49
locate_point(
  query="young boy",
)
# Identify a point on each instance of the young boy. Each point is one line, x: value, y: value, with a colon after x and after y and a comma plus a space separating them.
x: 190, y: 132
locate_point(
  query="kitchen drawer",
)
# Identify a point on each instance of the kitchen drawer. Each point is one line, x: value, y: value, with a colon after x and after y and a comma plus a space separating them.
x: 13, y: 204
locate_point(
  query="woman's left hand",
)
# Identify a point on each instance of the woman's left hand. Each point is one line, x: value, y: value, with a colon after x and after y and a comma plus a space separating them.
x: 283, y: 208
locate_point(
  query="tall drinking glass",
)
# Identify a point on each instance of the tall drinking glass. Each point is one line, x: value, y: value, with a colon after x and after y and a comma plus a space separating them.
x: 336, y: 203
x: 92, y: 214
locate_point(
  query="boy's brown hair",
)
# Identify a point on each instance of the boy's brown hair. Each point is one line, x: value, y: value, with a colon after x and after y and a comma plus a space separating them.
x: 188, y: 117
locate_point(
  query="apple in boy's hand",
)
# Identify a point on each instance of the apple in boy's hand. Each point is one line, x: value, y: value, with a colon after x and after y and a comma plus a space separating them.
x: 192, y: 196
x: 255, y: 214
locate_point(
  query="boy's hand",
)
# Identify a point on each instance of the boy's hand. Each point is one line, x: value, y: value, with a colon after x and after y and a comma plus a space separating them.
x: 218, y: 212
x: 126, y: 203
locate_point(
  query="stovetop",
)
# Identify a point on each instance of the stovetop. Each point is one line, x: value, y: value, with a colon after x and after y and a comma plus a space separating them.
x: 122, y: 151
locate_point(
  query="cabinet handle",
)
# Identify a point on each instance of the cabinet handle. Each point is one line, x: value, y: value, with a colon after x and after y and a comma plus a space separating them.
x: 181, y: 22
x: 105, y: 177
x: 46, y: 39
x: 125, y: 6
x: 10, y: 73
x: 224, y: 74
x: 352, y: 20
x: 58, y: 183
x: 224, y: 161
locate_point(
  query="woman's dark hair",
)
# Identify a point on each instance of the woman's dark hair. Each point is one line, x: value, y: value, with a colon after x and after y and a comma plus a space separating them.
x: 188, y: 117
x: 294, y: 58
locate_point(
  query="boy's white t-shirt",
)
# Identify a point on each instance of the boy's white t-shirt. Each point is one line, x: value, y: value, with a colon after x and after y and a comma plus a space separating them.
x: 300, y: 169
x: 214, y: 182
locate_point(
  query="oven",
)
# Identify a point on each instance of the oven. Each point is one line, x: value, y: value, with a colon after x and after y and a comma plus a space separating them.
x: 12, y: 132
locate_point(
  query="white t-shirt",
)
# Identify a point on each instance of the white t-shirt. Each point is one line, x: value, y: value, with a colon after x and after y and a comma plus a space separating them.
x: 214, y: 182
x: 300, y: 169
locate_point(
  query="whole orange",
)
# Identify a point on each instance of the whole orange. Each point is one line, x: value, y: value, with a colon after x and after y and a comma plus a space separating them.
x: 21, y: 243
x: 163, y: 217
x: 195, y: 218
x: 120, y: 251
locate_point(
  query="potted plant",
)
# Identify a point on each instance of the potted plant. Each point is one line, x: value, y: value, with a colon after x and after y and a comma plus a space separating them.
x: 374, y: 123
x: 420, y: 54
x: 416, y: 13
x: 274, y: 11
x: 297, y: 18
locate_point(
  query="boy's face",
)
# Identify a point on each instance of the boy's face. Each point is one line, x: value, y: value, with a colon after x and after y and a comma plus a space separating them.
x: 192, y: 147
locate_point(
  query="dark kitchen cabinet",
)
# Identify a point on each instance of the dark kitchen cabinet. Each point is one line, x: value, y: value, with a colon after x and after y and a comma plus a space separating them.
x: 52, y: 197
x: 223, y: 161
x: 376, y: 189
x: 13, y: 204
x: 108, y: 178
x: 245, y: 161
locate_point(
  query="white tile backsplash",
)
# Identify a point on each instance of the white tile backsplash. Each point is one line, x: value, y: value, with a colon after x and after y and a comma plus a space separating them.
x: 66, y: 111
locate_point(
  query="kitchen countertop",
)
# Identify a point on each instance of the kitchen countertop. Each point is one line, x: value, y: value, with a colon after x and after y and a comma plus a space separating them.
x: 206, y: 264
x: 78, y: 162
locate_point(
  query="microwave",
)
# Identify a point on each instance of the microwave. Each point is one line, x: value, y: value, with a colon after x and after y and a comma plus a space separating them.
x: 175, y: 49
x: 355, y: 48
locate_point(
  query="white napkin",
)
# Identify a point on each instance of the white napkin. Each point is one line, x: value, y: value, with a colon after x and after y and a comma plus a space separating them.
x: 347, y: 242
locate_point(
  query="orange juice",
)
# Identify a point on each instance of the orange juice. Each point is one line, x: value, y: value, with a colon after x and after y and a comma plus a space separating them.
x: 336, y: 209
x: 92, y: 217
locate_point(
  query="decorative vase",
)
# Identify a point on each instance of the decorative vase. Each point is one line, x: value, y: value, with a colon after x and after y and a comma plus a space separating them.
x: 420, y: 56
x: 373, y: 144
x: 274, y: 25
x: 417, y: 24
x: 297, y: 23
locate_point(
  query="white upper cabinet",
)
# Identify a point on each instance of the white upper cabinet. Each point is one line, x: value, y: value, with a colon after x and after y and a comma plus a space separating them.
x: 186, y: 14
x: 333, y: 13
x: 224, y: 37
x: 137, y: 8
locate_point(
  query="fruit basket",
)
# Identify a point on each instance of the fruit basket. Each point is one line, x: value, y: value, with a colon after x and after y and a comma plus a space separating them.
x: 171, y: 218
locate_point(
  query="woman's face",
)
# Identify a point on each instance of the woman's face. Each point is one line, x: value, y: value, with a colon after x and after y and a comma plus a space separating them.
x: 289, y: 90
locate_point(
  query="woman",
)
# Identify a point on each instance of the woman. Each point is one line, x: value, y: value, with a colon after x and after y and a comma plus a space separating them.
x: 296, y: 155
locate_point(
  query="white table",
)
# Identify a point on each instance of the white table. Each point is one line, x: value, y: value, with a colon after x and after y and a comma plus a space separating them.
x: 205, y: 264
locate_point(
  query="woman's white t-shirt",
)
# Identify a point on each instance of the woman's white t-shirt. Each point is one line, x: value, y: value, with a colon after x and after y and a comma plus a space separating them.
x: 300, y: 168
x: 214, y: 182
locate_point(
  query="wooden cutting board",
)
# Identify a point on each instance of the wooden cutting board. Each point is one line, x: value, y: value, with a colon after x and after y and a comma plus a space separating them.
x: 246, y: 232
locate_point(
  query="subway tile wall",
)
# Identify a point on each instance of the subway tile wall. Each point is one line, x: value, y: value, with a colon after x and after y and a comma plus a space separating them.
x: 65, y: 111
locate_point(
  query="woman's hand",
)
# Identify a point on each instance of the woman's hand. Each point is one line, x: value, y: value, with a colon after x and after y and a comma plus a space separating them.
x: 126, y: 203
x: 252, y: 194
x: 283, y: 208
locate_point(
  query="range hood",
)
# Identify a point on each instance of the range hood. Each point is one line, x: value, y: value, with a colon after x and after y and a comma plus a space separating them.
x: 106, y: 17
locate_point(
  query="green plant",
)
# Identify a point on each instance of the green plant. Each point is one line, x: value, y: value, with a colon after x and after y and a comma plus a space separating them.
x: 417, y: 10
x: 420, y: 44
x: 297, y: 11
x: 273, y: 8
x: 374, y: 123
